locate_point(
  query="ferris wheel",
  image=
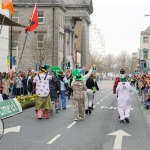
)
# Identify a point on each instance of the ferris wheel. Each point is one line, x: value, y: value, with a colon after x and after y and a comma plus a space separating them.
x: 96, y: 39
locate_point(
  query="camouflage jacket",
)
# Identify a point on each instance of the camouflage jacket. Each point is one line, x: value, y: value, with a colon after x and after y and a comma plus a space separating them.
x: 78, y: 90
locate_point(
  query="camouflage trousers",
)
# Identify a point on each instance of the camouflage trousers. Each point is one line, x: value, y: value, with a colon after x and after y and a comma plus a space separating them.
x: 79, y: 108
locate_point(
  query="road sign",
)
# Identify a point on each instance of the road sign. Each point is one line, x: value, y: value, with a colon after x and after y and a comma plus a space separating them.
x: 118, y: 141
x: 9, y: 108
x: 14, y: 60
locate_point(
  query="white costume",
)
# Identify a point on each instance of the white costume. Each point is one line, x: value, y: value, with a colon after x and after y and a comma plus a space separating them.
x: 124, y: 101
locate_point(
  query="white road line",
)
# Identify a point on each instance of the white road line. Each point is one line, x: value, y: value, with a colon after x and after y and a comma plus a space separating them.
x: 98, y: 103
x: 101, y: 100
x: 68, y: 106
x: 54, y: 139
x: 71, y: 125
x: 111, y: 108
x: 94, y: 106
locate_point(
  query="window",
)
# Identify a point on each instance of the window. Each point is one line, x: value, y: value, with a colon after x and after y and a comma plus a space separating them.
x: 41, y: 17
x: 15, y: 18
x: 145, y: 39
x: 15, y: 40
x: 40, y: 41
x: 145, y: 54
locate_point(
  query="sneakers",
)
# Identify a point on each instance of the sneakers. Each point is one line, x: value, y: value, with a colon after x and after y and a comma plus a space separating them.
x: 76, y: 119
x: 56, y: 110
x: 127, y: 120
x: 81, y: 118
x: 121, y: 121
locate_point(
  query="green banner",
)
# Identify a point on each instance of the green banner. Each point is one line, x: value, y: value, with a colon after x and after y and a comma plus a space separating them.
x: 9, y: 108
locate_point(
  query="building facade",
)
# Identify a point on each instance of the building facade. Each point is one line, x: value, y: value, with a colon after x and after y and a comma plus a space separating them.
x: 144, y: 51
x: 4, y: 44
x: 54, y: 41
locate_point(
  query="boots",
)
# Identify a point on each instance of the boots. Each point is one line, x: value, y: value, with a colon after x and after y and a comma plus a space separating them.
x: 39, y: 114
x: 46, y: 113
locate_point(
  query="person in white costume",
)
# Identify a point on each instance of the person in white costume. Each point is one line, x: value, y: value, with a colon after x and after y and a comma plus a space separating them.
x: 124, y: 101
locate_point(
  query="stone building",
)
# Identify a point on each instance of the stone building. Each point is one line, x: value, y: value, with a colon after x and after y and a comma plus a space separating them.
x: 144, y: 51
x: 63, y: 25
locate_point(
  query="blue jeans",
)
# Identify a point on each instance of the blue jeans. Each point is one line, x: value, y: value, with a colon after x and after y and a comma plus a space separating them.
x: 62, y: 100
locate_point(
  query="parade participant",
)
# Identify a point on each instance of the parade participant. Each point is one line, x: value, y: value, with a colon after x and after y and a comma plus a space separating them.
x: 90, y: 85
x: 86, y: 76
x: 55, y: 90
x: 124, y: 101
x: 63, y: 88
x: 70, y: 79
x: 95, y: 88
x: 43, y: 100
x: 78, y: 87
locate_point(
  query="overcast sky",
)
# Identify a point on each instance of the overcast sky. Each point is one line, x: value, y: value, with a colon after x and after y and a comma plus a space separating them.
x: 121, y: 22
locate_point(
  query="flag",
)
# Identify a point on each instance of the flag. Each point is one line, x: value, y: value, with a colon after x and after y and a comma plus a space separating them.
x: 33, y: 23
x: 7, y: 4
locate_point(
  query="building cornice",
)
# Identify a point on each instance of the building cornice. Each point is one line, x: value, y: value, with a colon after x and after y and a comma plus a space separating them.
x: 39, y: 5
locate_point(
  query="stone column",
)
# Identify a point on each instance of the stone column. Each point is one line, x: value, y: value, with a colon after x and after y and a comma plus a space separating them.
x: 85, y: 43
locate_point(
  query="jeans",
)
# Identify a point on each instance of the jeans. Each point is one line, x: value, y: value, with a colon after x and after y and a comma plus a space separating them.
x: 62, y: 100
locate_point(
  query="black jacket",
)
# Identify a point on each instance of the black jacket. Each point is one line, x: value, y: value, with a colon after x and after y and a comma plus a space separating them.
x: 90, y: 83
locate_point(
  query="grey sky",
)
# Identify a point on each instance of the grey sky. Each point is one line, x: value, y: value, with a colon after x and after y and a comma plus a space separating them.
x: 121, y: 22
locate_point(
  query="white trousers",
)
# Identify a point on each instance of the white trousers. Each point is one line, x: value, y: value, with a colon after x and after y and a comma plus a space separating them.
x: 124, y: 112
x: 88, y: 98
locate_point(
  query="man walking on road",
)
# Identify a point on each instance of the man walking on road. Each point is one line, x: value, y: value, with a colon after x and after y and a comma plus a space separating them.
x: 124, y: 101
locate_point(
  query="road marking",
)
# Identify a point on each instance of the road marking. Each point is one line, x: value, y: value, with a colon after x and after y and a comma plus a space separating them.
x: 98, y: 103
x: 54, y: 139
x: 12, y: 129
x: 72, y: 124
x: 111, y: 108
x: 94, y: 106
x: 101, y: 100
x: 68, y: 106
x: 118, y: 141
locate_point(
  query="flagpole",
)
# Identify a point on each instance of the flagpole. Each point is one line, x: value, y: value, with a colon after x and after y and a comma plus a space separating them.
x: 2, y: 24
x: 22, y: 50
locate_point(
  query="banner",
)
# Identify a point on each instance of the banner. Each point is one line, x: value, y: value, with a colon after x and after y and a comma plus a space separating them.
x: 9, y: 108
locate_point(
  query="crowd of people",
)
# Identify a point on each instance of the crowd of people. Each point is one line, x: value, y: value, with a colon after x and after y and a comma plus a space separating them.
x: 52, y: 88
x: 143, y: 87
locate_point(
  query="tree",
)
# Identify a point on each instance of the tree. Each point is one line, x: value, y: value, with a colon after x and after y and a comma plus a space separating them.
x: 108, y: 63
x: 41, y: 50
x: 124, y: 61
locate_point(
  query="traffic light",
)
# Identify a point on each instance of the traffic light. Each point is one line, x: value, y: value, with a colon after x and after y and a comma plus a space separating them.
x: 94, y: 68
x: 145, y: 65
x: 77, y: 66
x: 68, y: 65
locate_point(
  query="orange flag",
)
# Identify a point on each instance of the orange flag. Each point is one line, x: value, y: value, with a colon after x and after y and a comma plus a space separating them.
x: 7, y: 4
x: 33, y: 23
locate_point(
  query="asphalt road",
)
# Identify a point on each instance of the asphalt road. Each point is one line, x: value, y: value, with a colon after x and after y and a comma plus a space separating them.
x: 25, y: 132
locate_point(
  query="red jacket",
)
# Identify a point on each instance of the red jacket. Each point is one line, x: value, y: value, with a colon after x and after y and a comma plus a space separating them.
x: 116, y: 84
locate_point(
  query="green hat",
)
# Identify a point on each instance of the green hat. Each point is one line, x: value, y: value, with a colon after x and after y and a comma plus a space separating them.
x: 79, y: 77
x: 47, y: 66
x: 56, y: 69
x: 75, y: 72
